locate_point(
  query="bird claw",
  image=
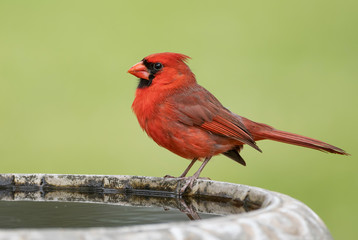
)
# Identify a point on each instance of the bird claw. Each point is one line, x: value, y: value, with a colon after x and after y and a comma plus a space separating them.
x: 189, y: 183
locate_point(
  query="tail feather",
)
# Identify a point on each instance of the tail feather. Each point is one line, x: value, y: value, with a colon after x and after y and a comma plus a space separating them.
x: 299, y: 140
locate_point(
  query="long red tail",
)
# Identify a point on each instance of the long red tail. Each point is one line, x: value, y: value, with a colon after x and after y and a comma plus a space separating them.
x: 263, y: 131
x: 299, y: 140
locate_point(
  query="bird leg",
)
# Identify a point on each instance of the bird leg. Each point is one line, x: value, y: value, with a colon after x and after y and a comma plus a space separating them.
x: 186, y: 170
x: 190, y: 180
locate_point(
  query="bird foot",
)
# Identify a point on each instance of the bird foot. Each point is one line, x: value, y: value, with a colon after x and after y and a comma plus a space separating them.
x: 189, y: 182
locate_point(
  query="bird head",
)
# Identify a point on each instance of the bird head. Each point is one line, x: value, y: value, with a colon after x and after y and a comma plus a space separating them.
x: 161, y: 69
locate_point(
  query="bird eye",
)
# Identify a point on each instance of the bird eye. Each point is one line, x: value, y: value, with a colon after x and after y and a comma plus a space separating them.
x: 158, y: 66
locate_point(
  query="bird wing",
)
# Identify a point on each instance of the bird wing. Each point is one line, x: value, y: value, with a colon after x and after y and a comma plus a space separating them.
x: 198, y: 107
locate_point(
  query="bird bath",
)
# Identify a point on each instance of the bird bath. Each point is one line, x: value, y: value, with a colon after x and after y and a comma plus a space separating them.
x: 45, y: 206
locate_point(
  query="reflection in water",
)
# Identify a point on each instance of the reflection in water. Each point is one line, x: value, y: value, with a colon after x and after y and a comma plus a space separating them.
x: 30, y: 208
x: 31, y: 214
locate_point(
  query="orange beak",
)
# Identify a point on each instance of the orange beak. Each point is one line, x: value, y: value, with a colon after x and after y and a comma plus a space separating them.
x: 140, y: 71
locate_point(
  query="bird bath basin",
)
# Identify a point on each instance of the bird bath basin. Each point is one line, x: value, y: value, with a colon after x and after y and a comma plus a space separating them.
x: 33, y: 214
x: 50, y: 206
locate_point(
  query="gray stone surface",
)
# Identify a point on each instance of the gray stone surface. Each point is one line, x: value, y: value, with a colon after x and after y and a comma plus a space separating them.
x: 277, y: 216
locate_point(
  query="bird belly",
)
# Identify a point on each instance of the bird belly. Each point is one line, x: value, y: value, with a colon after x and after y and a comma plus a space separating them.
x: 187, y: 141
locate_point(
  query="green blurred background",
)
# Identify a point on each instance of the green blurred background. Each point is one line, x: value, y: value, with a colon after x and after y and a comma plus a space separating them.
x: 65, y: 96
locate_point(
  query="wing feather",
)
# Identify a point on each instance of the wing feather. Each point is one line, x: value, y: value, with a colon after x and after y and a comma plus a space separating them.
x: 198, y: 107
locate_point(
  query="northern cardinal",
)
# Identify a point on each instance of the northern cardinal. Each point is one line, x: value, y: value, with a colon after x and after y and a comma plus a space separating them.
x: 185, y: 118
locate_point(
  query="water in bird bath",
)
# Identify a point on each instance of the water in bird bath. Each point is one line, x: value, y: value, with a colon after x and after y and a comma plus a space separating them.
x: 68, y: 209
x: 32, y: 214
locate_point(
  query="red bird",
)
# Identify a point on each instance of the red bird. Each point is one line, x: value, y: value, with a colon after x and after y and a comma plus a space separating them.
x: 185, y: 118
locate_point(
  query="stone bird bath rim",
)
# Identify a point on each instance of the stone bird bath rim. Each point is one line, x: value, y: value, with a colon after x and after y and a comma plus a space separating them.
x: 278, y: 216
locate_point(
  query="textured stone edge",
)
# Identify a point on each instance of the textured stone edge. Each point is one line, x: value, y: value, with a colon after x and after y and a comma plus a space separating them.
x: 280, y: 216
